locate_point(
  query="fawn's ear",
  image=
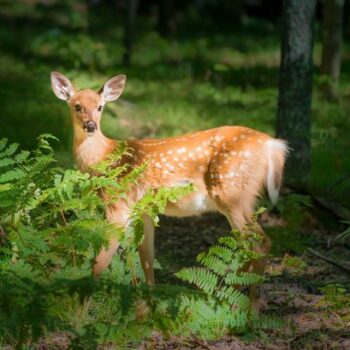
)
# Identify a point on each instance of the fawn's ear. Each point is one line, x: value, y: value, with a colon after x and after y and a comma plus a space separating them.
x: 113, y: 88
x: 61, y: 86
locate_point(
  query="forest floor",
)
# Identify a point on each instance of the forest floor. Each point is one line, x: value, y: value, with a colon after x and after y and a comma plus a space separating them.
x: 306, y: 292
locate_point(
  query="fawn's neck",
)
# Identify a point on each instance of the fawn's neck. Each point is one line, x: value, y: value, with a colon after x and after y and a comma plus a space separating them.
x: 91, y: 149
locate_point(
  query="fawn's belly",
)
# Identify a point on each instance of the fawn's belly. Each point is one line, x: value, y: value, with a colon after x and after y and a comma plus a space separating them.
x: 194, y: 204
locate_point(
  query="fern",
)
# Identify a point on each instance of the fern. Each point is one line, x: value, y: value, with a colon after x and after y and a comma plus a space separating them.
x: 204, y: 279
x: 55, y: 224
x: 223, y: 308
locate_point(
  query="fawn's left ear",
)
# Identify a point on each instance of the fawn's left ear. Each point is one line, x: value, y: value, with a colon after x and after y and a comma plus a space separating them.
x: 61, y: 86
x: 113, y: 88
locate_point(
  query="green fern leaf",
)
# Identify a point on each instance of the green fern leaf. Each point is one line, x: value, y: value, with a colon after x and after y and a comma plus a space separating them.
x: 12, y: 175
x: 3, y: 143
x: 202, y: 278
x: 244, y: 278
x: 9, y: 151
x: 212, y: 262
x: 22, y: 156
x: 233, y: 296
x: 224, y: 253
x: 4, y: 162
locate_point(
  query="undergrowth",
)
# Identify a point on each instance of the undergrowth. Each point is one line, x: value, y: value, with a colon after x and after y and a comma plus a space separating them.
x: 53, y: 224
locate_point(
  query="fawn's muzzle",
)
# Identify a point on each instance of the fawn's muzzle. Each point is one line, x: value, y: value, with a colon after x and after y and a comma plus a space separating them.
x: 90, y: 126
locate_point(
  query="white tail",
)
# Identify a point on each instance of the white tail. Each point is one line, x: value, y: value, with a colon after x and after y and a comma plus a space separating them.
x: 229, y: 167
x: 276, y: 153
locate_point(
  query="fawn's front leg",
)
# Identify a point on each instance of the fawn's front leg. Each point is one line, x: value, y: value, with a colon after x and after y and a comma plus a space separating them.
x: 104, y: 258
x: 146, y: 250
x: 118, y: 215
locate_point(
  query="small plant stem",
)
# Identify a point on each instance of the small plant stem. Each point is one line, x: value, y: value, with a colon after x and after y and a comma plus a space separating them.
x: 134, y: 277
x: 74, y: 258
x: 63, y: 217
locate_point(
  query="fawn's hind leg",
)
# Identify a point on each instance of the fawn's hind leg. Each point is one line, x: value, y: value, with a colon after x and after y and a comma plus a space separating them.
x: 238, y: 219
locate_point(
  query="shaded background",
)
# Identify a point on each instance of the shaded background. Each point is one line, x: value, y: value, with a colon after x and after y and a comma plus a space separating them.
x: 190, y: 65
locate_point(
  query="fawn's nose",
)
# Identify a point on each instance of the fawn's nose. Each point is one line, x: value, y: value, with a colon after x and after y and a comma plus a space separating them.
x: 90, y: 126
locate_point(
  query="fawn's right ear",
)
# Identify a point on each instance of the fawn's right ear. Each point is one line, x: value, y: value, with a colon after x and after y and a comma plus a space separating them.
x: 61, y: 86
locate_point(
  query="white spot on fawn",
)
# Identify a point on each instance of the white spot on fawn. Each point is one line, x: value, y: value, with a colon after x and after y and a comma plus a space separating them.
x: 171, y: 167
x: 181, y: 150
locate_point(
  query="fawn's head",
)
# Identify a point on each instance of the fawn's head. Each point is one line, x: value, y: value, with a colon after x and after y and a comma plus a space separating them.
x: 86, y: 105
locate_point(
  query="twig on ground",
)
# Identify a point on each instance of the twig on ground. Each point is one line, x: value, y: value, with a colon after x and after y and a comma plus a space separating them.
x: 337, y: 182
x: 198, y: 342
x: 330, y: 261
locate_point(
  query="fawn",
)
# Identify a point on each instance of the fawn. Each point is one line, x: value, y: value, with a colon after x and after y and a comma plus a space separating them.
x: 229, y: 167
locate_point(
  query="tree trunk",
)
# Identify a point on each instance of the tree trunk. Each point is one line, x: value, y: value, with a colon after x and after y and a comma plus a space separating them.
x: 129, y: 31
x: 332, y: 40
x: 295, y: 87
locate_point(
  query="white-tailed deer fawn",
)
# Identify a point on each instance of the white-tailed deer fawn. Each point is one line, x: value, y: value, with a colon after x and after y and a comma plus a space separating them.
x: 229, y: 167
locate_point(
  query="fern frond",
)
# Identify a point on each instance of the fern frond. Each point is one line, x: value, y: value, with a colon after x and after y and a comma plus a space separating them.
x: 4, y: 162
x: 9, y: 151
x: 243, y: 278
x: 12, y: 175
x: 22, y: 156
x: 266, y: 322
x: 3, y: 143
x: 202, y: 278
x: 213, y: 263
x: 224, y: 253
x: 233, y: 296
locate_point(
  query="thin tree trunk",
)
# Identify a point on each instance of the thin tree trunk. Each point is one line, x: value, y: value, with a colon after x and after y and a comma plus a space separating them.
x: 129, y: 31
x: 332, y: 40
x: 295, y: 87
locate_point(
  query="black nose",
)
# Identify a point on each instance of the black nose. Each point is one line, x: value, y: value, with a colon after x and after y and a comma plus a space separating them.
x: 90, y: 126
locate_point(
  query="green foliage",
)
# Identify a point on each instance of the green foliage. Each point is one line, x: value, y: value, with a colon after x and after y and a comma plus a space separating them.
x: 224, y: 308
x: 336, y: 296
x: 53, y: 219
x: 53, y: 222
x: 294, y: 264
x: 292, y: 208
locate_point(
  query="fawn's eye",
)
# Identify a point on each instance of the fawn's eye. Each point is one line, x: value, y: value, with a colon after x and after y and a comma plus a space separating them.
x: 77, y: 108
x: 99, y: 108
